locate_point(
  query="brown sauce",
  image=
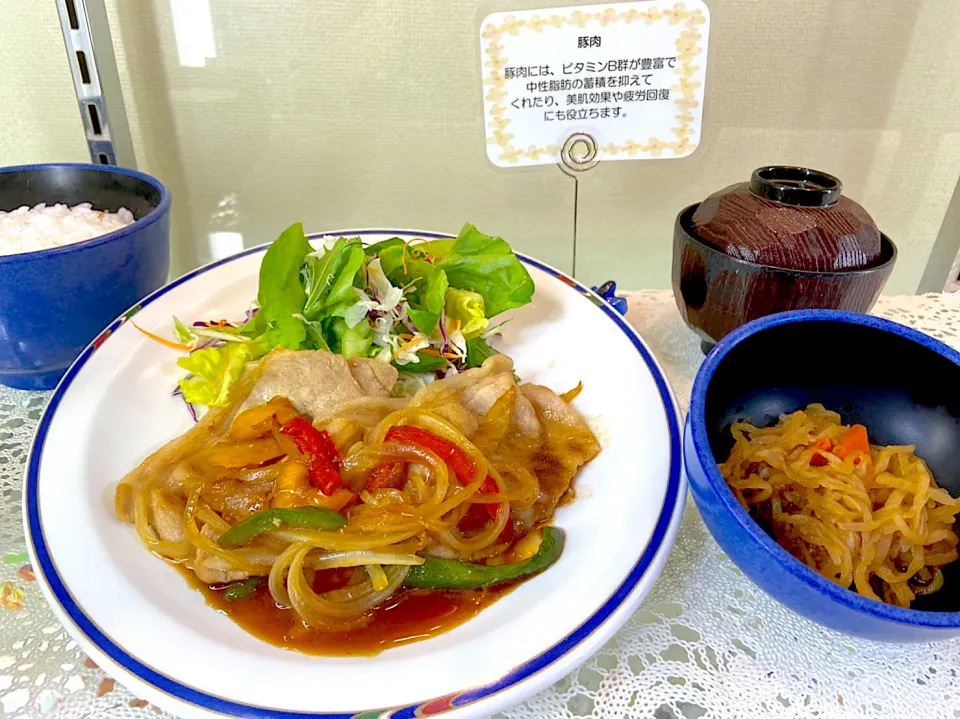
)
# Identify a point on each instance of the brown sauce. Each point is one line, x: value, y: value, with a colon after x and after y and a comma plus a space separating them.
x: 409, y: 616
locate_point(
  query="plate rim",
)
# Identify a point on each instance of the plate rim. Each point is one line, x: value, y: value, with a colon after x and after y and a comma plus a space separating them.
x: 660, y: 543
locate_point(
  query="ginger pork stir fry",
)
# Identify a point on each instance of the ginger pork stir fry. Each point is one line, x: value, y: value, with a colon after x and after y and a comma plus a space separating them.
x: 315, y: 464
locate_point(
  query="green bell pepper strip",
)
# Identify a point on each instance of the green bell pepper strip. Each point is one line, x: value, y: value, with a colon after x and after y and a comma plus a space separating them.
x: 272, y: 519
x: 437, y: 573
x: 244, y: 589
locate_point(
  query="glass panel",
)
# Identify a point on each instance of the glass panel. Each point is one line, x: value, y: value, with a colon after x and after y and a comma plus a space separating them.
x: 336, y: 114
x: 343, y: 114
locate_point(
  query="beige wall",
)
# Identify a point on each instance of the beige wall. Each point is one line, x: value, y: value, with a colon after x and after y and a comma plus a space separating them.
x: 345, y: 114
x: 39, y: 118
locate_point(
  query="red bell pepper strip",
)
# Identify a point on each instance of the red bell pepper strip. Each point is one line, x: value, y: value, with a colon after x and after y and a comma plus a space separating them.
x: 456, y: 459
x: 477, y: 517
x: 324, y: 476
x: 312, y: 441
x: 386, y: 476
x: 818, y: 460
x: 324, y: 457
x: 489, y: 486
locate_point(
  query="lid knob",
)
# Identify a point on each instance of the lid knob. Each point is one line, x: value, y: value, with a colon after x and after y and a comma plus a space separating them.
x: 795, y: 186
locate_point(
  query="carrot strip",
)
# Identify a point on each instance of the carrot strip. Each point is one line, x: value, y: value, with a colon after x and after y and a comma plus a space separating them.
x: 405, y: 346
x: 572, y: 394
x: 430, y: 352
x: 853, y: 440
x: 165, y: 342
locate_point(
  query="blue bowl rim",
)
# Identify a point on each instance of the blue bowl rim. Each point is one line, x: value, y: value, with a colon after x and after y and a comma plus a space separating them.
x: 155, y: 214
x: 846, y: 597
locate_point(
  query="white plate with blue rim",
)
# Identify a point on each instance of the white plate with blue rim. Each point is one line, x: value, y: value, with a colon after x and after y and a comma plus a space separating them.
x: 141, y: 622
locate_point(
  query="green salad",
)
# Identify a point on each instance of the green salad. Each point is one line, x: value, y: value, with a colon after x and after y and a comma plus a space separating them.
x: 424, y: 306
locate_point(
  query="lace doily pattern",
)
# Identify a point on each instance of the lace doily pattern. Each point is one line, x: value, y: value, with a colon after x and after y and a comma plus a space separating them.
x: 706, y: 643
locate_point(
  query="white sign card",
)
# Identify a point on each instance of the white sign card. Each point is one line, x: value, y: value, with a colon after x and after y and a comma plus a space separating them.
x: 630, y: 75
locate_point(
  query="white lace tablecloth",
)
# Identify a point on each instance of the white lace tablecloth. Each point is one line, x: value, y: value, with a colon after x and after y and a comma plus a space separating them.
x: 707, y: 642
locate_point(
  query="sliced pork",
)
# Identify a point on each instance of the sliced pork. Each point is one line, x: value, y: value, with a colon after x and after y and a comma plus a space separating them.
x: 317, y: 381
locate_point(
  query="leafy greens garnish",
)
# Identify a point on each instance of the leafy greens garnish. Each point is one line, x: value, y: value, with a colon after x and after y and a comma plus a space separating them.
x: 424, y: 306
x: 281, y: 296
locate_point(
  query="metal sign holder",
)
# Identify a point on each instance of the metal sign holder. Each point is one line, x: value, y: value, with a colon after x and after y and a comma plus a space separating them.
x: 577, y: 155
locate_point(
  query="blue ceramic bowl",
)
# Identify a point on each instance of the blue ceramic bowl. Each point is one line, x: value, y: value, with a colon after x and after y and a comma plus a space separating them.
x: 53, y: 303
x: 903, y: 385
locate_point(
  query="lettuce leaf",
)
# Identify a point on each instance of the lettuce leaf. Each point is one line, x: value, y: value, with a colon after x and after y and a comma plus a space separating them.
x: 426, y: 298
x: 183, y: 333
x: 485, y: 265
x: 349, y: 341
x: 330, y: 278
x: 281, y: 294
x: 315, y: 337
x: 214, y: 371
x: 438, y: 248
x: 254, y: 327
x: 377, y: 247
x: 467, y: 307
x: 478, y: 350
x: 427, y: 363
